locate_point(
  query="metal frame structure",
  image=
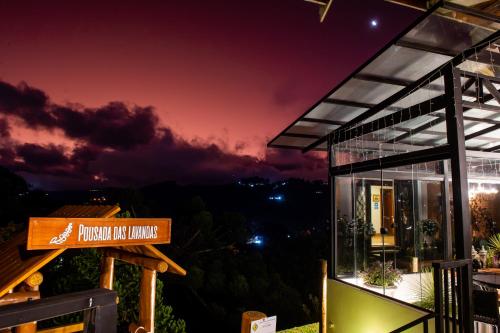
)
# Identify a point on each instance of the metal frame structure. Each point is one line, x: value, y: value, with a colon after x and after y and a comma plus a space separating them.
x: 407, y: 85
x: 462, y: 91
x: 454, y: 150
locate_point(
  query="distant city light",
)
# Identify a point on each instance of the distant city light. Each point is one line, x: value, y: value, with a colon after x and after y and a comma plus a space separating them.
x: 253, y: 183
x: 256, y: 240
x: 373, y: 23
x: 277, y: 197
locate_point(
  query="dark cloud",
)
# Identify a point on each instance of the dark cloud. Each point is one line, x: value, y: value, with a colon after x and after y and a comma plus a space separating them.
x: 124, y: 146
x: 48, y: 159
x: 82, y: 156
x: 27, y: 103
x: 4, y: 128
x: 166, y: 158
x: 293, y: 163
x: 176, y: 159
x: 115, y: 125
x: 7, y: 156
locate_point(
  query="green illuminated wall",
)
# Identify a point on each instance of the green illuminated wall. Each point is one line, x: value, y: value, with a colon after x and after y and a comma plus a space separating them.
x: 352, y: 310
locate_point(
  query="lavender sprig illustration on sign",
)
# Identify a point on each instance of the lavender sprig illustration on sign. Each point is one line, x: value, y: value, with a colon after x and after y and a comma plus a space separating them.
x: 64, y: 236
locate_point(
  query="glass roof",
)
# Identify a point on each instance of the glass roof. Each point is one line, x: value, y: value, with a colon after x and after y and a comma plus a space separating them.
x: 432, y: 41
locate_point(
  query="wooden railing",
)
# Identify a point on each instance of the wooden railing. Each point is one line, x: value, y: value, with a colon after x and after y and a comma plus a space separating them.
x: 452, y: 299
x: 98, y: 305
x: 453, y: 296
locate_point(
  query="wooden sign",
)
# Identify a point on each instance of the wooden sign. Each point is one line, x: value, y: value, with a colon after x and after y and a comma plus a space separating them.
x: 56, y: 233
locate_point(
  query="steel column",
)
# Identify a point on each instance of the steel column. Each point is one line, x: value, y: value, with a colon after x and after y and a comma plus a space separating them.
x: 332, y: 256
x: 448, y: 241
x: 461, y: 212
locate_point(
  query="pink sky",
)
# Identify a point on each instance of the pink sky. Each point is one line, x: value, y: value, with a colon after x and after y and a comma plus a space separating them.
x: 233, y: 73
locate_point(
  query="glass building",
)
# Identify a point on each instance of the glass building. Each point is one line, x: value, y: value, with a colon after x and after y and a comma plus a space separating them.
x: 412, y: 140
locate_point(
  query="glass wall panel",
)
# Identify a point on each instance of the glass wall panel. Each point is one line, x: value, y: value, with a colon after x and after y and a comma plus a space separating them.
x: 391, y: 224
x: 484, y: 198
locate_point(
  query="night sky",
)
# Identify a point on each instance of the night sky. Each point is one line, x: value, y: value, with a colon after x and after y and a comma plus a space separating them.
x: 129, y: 93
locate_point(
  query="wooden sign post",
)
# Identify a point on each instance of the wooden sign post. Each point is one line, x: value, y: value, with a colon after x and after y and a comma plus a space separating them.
x: 126, y: 239
x: 54, y: 233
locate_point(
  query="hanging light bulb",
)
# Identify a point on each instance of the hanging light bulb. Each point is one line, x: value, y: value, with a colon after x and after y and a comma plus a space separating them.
x: 480, y: 189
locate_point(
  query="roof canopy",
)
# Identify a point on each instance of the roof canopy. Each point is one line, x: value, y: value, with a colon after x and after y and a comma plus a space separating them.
x: 404, y: 75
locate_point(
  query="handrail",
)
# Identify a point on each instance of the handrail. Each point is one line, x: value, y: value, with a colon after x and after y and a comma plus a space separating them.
x: 452, y: 296
x: 422, y: 320
x: 99, y: 306
x: 451, y: 264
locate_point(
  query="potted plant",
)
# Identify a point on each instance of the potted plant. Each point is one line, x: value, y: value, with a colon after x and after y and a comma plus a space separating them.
x: 422, y: 290
x: 494, y: 246
x: 429, y: 229
x: 379, y: 275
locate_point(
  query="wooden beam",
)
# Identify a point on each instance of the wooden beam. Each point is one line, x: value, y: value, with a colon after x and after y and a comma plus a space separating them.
x: 72, y: 328
x: 29, y: 269
x: 324, y: 272
x: 19, y: 297
x: 34, y: 280
x: 172, y: 266
x: 134, y: 259
x: 134, y: 328
x: 147, y: 300
x: 26, y: 328
x: 107, y: 272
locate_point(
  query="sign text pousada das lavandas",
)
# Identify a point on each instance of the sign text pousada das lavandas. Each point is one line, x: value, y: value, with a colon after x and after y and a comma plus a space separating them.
x: 55, y: 233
